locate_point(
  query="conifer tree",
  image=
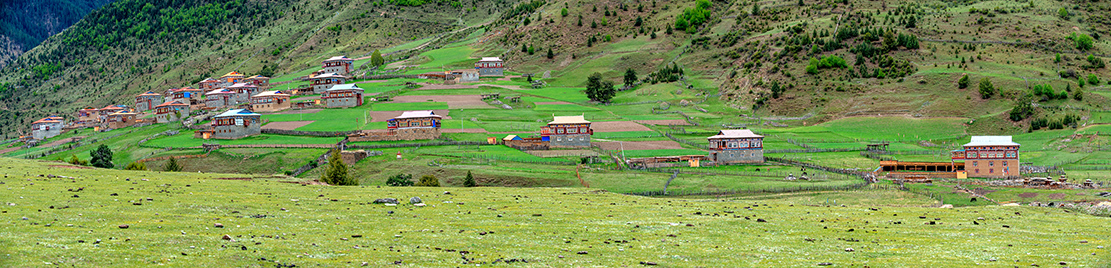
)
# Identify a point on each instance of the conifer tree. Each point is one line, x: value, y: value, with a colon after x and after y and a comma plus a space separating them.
x: 336, y: 172
x: 172, y: 165
x: 469, y: 181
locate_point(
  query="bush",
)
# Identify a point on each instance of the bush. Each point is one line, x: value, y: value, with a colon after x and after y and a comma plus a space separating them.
x: 963, y: 82
x: 172, y: 165
x: 101, y: 157
x: 1022, y: 109
x: 1084, y: 42
x: 986, y: 88
x: 1093, y: 79
x: 400, y: 180
x: 1078, y: 94
x: 429, y: 181
x: 469, y: 181
x: 77, y: 161
x: 563, y: 12
x: 136, y: 166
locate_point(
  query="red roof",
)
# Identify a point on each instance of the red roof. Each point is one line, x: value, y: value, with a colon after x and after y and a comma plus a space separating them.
x: 149, y: 93
x: 111, y: 107
x: 187, y: 88
x: 171, y: 103
x: 49, y: 119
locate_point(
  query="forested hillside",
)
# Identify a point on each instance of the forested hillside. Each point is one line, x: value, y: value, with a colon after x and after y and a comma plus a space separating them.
x: 132, y: 46
x: 25, y: 23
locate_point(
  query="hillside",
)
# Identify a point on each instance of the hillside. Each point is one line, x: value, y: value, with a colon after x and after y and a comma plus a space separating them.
x: 95, y: 217
x: 24, y: 24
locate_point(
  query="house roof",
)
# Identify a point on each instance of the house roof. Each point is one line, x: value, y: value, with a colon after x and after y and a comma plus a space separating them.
x: 171, y: 103
x: 150, y: 93
x: 258, y: 77
x: 490, y: 59
x: 463, y: 71
x: 122, y: 113
x: 329, y: 75
x: 187, y: 88
x: 239, y: 85
x: 511, y: 137
x: 735, y: 134
x: 336, y: 58
x: 417, y: 114
x: 235, y: 112
x: 232, y: 73
x: 272, y: 93
x: 991, y: 141
x: 49, y: 119
x: 220, y: 91
x: 574, y: 119
x: 209, y: 80
x: 345, y: 87
x: 112, y: 107
x: 89, y: 109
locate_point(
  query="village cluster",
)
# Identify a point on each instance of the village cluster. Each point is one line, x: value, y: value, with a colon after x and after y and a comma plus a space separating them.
x: 242, y: 98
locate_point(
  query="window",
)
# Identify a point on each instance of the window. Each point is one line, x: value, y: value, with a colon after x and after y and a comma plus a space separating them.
x: 559, y: 138
x: 1004, y: 163
x: 572, y: 130
x: 975, y: 163
x: 744, y: 144
x: 991, y: 170
x: 732, y: 144
x: 584, y: 130
x: 991, y: 163
x: 1011, y: 154
x: 559, y: 130
x: 977, y: 170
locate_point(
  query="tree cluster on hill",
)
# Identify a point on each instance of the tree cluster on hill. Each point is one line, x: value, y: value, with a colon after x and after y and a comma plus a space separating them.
x: 28, y: 22
x: 670, y: 73
x: 693, y: 17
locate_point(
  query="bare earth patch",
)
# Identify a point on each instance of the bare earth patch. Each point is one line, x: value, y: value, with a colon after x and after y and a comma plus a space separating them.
x: 382, y: 116
x: 453, y: 101
x: 289, y: 125
x: 1028, y: 195
x: 458, y: 86
x: 552, y: 102
x: 305, y: 111
x: 617, y: 126
x: 674, y: 122
x: 1056, y: 196
x: 639, y: 145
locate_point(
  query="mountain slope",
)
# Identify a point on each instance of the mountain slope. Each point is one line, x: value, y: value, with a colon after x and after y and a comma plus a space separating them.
x: 24, y: 24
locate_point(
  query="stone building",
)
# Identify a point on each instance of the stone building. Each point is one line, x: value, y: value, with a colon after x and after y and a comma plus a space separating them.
x: 243, y: 92
x: 567, y: 132
x: 414, y: 120
x: 170, y: 111
x: 47, y: 127
x: 489, y: 66
x: 323, y: 82
x: 232, y: 78
x: 259, y: 81
x: 188, y: 95
x: 989, y: 157
x: 736, y: 146
x: 270, y: 101
x: 209, y: 84
x: 88, y: 116
x: 339, y: 65
x: 146, y: 101
x: 235, y: 124
x: 465, y: 75
x: 102, y: 113
x: 121, y: 120
x: 219, y: 98
x: 340, y: 96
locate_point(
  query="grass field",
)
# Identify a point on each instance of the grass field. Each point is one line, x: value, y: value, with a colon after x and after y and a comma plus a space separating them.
x: 274, y: 223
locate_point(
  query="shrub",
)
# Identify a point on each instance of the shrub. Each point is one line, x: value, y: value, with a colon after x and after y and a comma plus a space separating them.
x: 77, y: 161
x: 1022, y: 109
x: 963, y: 82
x: 563, y: 12
x: 986, y: 88
x: 1078, y: 94
x: 429, y: 181
x: 1093, y: 79
x: 136, y: 166
x: 400, y: 180
x: 1084, y: 42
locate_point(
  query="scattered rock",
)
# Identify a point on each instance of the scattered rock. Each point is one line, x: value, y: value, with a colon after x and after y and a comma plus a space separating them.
x: 825, y: 263
x: 386, y: 201
x: 415, y: 200
x: 946, y: 206
x: 419, y: 204
x: 849, y: 250
x: 124, y: 226
x: 582, y: 253
x: 1063, y: 263
x: 648, y: 263
x: 760, y: 220
x: 218, y: 225
x: 228, y: 237
x: 446, y: 192
x: 1083, y: 241
x: 356, y: 236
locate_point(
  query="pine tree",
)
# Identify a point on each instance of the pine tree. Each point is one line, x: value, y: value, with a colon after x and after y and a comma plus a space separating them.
x: 101, y: 157
x: 172, y: 166
x: 469, y: 181
x: 336, y: 172
x: 524, y: 48
x: 986, y: 88
x: 963, y: 82
x: 630, y: 77
x: 551, y: 55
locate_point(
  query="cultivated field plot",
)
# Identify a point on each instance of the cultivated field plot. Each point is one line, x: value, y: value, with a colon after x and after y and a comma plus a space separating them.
x: 453, y: 101
x: 288, y: 125
x: 409, y: 106
x: 617, y: 126
x: 562, y: 153
x: 671, y: 122
x: 302, y: 111
x: 638, y: 145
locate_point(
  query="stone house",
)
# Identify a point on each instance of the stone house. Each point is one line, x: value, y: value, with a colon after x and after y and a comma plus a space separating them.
x: 171, y: 111
x: 270, y: 101
x: 413, y: 120
x: 567, y: 132
x: 88, y: 115
x: 323, y: 82
x: 232, y: 78
x: 209, y: 84
x: 489, y: 66
x: 989, y: 157
x: 235, y: 124
x: 258, y: 80
x: 340, y: 96
x: 219, y: 98
x: 339, y: 65
x: 736, y: 146
x: 47, y: 127
x: 121, y: 120
x: 243, y: 92
x: 146, y: 101
x: 102, y: 113
x: 465, y: 75
x: 187, y: 95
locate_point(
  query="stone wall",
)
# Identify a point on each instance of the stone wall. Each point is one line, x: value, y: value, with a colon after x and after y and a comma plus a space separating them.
x: 341, y: 102
x: 308, y: 133
x: 271, y: 106
x: 215, y: 103
x: 490, y: 72
x: 569, y: 141
x: 992, y: 168
x: 235, y: 132
x: 525, y: 145
x: 352, y: 157
x: 737, y: 156
x: 40, y: 134
x: 319, y: 89
x: 398, y: 135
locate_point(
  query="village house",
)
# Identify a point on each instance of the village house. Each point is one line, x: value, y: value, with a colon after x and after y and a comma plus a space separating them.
x: 88, y: 115
x: 243, y: 92
x: 489, y: 66
x: 323, y: 82
x: 102, y: 113
x: 464, y: 75
x: 121, y: 120
x: 258, y: 80
x: 736, y: 146
x: 414, y: 120
x: 146, y: 101
x: 187, y: 95
x: 989, y: 157
x: 567, y: 132
x: 219, y: 98
x: 345, y: 95
x: 339, y: 64
x: 235, y: 124
x: 410, y: 125
x: 171, y: 111
x: 270, y: 101
x: 208, y: 84
x: 47, y: 127
x: 232, y: 78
